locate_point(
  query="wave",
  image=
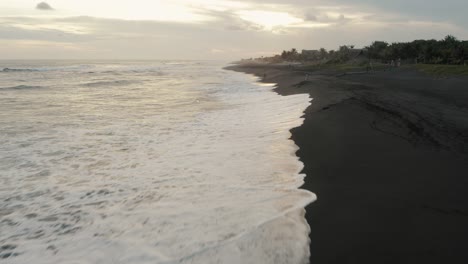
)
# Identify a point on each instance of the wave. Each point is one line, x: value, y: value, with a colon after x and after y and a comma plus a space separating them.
x: 17, y: 70
x: 91, y: 69
x: 204, y: 173
x: 108, y: 83
x: 49, y: 68
x: 262, y: 233
x: 22, y: 87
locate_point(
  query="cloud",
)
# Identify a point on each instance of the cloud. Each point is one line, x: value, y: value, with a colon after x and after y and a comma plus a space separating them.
x: 216, y: 51
x: 44, y: 6
x: 226, y: 35
x: 229, y: 20
x: 310, y: 17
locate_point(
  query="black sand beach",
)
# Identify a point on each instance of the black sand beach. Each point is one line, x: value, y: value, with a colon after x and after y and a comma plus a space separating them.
x: 387, y: 155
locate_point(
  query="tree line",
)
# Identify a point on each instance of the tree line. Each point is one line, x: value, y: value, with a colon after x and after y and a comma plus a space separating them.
x: 449, y: 50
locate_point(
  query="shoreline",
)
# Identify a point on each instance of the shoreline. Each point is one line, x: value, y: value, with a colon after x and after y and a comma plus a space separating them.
x: 386, y: 155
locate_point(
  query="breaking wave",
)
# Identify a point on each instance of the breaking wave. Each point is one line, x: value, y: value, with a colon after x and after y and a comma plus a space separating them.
x: 109, y: 83
x: 22, y: 87
x: 18, y: 70
x: 195, y: 166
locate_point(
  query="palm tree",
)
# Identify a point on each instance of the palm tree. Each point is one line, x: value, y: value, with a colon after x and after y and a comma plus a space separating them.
x: 323, y: 53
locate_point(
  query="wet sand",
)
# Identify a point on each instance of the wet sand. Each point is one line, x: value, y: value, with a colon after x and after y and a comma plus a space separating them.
x: 387, y: 155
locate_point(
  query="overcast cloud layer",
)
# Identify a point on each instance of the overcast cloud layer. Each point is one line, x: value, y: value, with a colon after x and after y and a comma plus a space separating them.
x: 214, y: 29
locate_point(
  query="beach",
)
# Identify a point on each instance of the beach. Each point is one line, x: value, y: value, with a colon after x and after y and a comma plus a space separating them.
x: 386, y: 154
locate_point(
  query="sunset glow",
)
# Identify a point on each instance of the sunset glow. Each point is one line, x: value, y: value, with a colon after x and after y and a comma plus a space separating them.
x: 269, y: 19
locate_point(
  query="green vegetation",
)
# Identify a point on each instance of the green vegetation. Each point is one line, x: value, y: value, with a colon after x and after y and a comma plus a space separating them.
x: 443, y: 70
x: 343, y: 54
x: 339, y: 67
x: 346, y: 67
x: 437, y: 70
x: 448, y: 51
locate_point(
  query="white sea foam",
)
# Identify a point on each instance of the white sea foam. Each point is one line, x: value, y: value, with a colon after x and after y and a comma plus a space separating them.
x: 193, y: 165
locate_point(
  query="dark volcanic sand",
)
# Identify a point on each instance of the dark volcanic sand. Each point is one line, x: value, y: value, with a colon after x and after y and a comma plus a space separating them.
x: 386, y: 154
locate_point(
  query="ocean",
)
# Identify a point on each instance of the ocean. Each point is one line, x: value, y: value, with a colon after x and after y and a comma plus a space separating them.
x: 148, y: 162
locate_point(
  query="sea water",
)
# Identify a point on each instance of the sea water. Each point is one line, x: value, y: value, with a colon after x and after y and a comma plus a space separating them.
x: 148, y: 162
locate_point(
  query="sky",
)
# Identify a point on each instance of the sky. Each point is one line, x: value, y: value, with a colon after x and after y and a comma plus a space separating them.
x: 215, y: 29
